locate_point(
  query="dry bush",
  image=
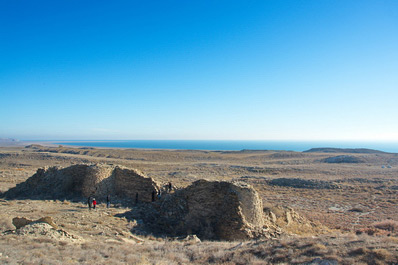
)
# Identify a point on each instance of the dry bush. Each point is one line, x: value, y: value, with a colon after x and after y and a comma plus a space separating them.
x: 388, y: 225
x: 316, y: 250
x: 391, y: 240
x: 291, y: 250
x: 356, y: 209
x: 378, y: 256
x: 371, y: 231
x: 381, y: 254
x: 358, y: 251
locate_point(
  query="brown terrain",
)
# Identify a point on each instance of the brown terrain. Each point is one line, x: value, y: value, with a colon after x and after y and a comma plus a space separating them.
x: 323, y: 206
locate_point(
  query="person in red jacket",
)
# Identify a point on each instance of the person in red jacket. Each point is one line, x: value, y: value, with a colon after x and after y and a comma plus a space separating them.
x: 94, y: 203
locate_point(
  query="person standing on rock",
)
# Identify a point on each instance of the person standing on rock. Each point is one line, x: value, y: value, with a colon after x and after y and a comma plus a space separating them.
x: 94, y: 203
x: 108, y: 201
x: 89, y: 202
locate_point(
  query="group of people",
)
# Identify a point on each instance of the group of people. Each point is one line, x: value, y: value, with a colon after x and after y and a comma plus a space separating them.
x: 92, y: 202
x: 167, y: 189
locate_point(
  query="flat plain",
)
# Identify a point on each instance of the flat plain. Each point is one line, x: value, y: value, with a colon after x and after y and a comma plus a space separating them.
x: 353, y: 195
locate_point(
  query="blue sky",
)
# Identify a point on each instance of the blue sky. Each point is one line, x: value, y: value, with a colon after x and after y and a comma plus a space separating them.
x: 285, y: 70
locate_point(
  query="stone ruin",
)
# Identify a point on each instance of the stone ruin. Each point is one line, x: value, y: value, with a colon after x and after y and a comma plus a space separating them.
x: 212, y: 210
x: 215, y: 210
x: 86, y: 180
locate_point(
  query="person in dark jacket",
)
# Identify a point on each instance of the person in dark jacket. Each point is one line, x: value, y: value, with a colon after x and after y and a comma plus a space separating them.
x: 108, y: 201
x: 89, y: 202
x: 169, y: 186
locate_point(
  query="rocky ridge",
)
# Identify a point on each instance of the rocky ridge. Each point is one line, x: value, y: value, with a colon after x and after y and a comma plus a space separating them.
x: 343, y: 159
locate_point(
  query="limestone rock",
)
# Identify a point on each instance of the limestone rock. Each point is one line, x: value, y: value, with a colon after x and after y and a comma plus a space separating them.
x: 288, y: 221
x: 288, y: 218
x: 19, y: 222
x: 40, y: 229
x: 48, y: 220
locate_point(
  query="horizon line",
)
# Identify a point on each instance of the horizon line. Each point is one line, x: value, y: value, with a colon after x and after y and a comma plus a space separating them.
x: 252, y: 140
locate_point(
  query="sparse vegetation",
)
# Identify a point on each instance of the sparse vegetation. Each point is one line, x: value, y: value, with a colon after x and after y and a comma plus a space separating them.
x: 388, y: 225
x: 352, y: 212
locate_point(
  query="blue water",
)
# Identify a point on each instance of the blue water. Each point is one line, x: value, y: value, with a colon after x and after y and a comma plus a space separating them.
x: 233, y: 145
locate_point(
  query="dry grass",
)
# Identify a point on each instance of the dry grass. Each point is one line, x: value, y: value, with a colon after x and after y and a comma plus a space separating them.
x: 108, y: 240
x: 388, y: 225
x: 344, y: 249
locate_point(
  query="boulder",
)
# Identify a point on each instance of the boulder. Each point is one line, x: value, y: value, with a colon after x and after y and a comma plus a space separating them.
x: 19, y: 222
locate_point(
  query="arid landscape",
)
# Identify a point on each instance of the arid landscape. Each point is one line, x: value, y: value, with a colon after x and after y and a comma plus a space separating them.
x: 199, y: 132
x: 322, y: 206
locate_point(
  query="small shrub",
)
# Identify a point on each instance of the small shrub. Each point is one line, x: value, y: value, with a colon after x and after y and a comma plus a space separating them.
x: 358, y: 251
x: 356, y: 210
x: 380, y: 254
x: 316, y: 250
x: 388, y: 225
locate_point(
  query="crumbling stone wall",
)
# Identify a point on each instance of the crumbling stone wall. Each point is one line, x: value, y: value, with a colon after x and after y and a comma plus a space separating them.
x: 130, y: 183
x: 98, y: 181
x: 213, y: 210
x: 85, y: 180
x: 51, y: 183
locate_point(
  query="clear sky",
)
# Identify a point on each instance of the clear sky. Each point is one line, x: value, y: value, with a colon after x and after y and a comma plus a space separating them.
x: 296, y: 70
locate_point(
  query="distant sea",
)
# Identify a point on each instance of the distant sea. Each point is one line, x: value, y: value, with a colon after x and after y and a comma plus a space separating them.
x: 224, y: 145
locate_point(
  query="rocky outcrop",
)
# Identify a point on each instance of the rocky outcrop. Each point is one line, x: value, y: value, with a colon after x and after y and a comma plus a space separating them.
x: 42, y: 227
x: 343, y: 159
x: 85, y: 180
x: 288, y: 221
x: 19, y: 222
x: 344, y: 150
x: 303, y: 183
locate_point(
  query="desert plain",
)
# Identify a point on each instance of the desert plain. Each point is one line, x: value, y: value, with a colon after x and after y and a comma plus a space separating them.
x: 344, y: 203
